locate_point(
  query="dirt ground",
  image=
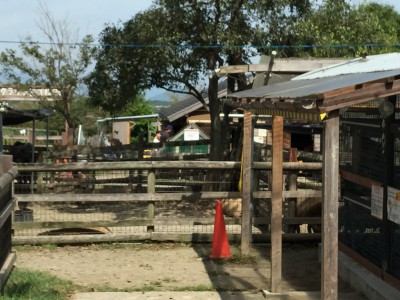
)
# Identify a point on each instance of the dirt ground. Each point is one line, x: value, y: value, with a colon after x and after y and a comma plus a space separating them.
x: 170, y: 266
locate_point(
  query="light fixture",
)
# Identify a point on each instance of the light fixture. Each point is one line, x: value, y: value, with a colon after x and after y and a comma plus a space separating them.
x: 386, y: 108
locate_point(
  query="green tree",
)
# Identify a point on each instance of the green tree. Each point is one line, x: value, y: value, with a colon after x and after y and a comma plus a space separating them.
x: 338, y: 29
x: 60, y: 66
x: 174, y: 43
x: 139, y: 107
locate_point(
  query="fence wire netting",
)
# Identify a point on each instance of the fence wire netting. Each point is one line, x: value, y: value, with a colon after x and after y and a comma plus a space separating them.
x: 124, y: 217
x: 370, y: 156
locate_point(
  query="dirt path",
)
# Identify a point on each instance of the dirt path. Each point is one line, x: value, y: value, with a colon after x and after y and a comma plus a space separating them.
x: 168, y: 266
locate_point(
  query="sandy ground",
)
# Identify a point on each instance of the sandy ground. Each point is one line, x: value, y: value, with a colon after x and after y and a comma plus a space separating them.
x: 169, y: 266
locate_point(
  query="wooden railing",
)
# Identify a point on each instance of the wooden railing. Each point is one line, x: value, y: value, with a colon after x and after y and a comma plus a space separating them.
x: 148, y: 175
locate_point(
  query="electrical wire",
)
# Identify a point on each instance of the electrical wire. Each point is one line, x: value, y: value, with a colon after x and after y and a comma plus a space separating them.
x: 160, y: 46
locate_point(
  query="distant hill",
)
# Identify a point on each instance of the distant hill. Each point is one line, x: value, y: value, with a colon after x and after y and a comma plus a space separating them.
x: 159, y: 104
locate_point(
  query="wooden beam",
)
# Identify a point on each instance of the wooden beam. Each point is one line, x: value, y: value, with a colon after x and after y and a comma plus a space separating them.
x: 282, y: 66
x: 330, y: 173
x: 276, y: 211
x: 247, y: 153
x: 144, y: 197
x: 348, y: 97
x: 358, y: 179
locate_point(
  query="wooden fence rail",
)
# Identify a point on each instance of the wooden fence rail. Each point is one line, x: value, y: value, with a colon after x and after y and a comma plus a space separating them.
x: 151, y: 198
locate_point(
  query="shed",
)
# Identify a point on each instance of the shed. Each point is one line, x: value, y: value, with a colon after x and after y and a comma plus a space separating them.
x: 10, y: 116
x: 191, y: 132
x: 321, y: 96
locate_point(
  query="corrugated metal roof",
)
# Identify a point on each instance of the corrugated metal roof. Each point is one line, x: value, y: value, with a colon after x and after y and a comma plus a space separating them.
x: 188, y: 105
x: 312, y: 88
x: 368, y: 64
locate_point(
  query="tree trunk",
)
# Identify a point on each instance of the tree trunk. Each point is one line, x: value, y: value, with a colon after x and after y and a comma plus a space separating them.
x: 216, y: 145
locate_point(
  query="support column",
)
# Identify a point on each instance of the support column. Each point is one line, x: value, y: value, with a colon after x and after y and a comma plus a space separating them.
x: 247, y: 175
x: 330, y: 177
x: 276, y: 210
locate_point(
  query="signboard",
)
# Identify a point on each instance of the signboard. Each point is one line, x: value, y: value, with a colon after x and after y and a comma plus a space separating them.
x: 377, y: 201
x: 393, y: 207
x: 191, y: 134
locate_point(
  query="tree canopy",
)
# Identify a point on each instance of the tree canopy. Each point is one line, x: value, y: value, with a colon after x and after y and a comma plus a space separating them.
x: 338, y: 29
x: 60, y: 65
x: 174, y: 43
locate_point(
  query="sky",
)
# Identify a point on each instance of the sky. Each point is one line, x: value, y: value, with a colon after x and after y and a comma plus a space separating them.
x: 19, y: 18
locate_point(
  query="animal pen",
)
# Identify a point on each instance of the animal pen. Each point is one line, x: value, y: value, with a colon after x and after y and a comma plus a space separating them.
x: 360, y: 98
x: 133, y: 200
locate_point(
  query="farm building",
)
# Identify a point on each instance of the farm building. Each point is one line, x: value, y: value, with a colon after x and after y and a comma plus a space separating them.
x: 357, y: 102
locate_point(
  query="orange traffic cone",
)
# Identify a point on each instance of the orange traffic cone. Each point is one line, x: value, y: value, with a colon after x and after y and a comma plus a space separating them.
x: 220, y: 245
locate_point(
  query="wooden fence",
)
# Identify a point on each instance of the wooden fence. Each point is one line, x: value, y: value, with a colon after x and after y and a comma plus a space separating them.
x: 152, y: 185
x: 7, y: 203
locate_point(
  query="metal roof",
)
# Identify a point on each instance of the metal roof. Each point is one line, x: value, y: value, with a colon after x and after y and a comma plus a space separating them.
x: 312, y: 88
x: 15, y: 117
x: 329, y: 88
x: 188, y: 105
x: 368, y: 64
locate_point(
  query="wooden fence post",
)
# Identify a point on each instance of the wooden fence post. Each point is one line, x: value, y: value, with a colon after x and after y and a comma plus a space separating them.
x: 292, y: 186
x: 247, y: 153
x: 151, y: 189
x: 330, y: 203
x: 276, y: 210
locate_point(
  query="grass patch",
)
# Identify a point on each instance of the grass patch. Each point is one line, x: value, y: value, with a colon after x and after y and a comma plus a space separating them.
x: 196, y: 288
x: 34, y: 285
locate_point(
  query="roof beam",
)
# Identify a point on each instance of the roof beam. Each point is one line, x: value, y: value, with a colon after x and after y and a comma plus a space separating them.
x: 369, y: 92
x: 282, y: 66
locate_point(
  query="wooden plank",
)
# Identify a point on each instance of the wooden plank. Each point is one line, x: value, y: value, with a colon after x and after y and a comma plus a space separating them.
x: 125, y: 197
x: 288, y: 166
x: 129, y: 165
x: 330, y: 176
x: 7, y: 178
x: 79, y: 239
x: 371, y: 92
x: 121, y: 223
x: 247, y: 153
x: 6, y: 212
x: 358, y: 179
x: 6, y: 269
x: 158, y: 197
x: 282, y: 66
x: 80, y: 224
x: 289, y: 194
x: 234, y: 69
x: 276, y: 210
x: 289, y: 220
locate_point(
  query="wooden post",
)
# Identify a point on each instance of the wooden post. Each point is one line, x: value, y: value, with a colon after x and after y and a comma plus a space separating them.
x: 276, y: 207
x: 247, y: 153
x: 292, y: 186
x: 388, y: 146
x: 151, y: 189
x: 330, y: 175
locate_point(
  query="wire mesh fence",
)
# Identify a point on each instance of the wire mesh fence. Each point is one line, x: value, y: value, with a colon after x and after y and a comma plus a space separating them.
x: 369, y: 163
x: 141, y: 197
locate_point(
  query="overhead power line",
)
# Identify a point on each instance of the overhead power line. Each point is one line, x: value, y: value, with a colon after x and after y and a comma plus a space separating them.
x: 208, y: 46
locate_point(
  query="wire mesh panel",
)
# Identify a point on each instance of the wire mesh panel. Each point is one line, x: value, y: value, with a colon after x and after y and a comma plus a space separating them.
x: 81, y: 199
x: 360, y: 231
x: 367, y: 161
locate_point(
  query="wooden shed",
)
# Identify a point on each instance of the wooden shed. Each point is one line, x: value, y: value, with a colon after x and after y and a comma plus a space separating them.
x: 323, y: 96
